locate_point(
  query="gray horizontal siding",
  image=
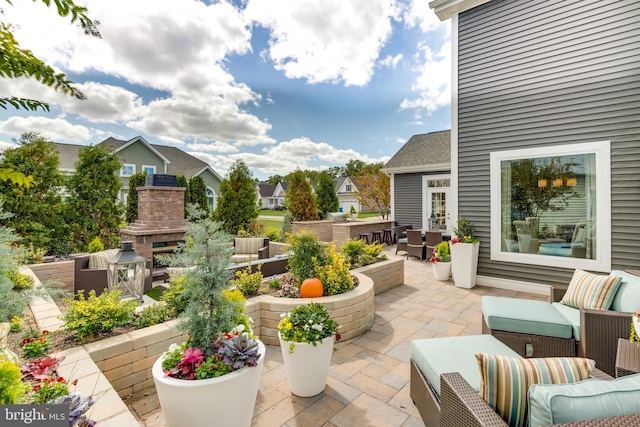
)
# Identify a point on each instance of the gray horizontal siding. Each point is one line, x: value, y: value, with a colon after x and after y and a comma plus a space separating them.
x: 544, y: 73
x: 408, y: 199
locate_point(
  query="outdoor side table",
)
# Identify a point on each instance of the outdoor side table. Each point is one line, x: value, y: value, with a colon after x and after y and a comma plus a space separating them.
x: 627, y: 358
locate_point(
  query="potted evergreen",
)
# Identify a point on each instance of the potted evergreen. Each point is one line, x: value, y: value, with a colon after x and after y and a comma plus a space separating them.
x: 306, y: 337
x: 441, y: 261
x: 464, y: 254
x: 214, y: 375
x: 354, y: 214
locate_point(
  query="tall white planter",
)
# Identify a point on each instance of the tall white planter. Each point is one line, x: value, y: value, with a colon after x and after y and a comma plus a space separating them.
x: 464, y: 258
x: 308, y: 366
x: 442, y: 270
x: 226, y: 401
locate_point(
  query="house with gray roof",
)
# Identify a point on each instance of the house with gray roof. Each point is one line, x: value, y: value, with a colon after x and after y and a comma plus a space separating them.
x: 420, y: 174
x: 347, y: 193
x: 137, y: 155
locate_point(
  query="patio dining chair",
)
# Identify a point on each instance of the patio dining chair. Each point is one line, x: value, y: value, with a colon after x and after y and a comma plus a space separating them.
x: 400, y: 237
x: 415, y: 245
x: 432, y: 238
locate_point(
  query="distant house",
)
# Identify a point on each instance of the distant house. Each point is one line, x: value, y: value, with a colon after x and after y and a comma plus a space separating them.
x: 270, y: 196
x: 546, y: 87
x: 420, y: 175
x: 137, y: 155
x: 347, y: 194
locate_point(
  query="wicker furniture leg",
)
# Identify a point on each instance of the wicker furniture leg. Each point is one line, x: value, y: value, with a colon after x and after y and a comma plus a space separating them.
x: 424, y: 397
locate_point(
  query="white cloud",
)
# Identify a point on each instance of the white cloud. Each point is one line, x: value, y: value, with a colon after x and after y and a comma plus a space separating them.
x: 52, y: 129
x: 418, y: 13
x: 325, y: 41
x: 217, y: 147
x: 391, y: 61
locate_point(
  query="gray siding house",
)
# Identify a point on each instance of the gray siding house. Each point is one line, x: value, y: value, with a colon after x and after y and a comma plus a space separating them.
x: 420, y: 174
x: 547, y: 91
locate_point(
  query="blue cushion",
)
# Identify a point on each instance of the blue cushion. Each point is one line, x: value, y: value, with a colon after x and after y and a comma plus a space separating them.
x: 435, y: 356
x: 572, y: 315
x: 403, y: 240
x: 525, y: 317
x: 627, y: 298
x: 584, y: 400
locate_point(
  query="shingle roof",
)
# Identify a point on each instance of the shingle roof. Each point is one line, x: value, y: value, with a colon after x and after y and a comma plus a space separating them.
x: 68, y: 154
x: 424, y: 149
x: 337, y: 182
x: 266, y: 190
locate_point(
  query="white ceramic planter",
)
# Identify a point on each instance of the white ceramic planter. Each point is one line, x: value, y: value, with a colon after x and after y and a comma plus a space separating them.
x: 442, y: 270
x: 226, y: 401
x: 308, y: 366
x: 636, y: 324
x: 464, y: 259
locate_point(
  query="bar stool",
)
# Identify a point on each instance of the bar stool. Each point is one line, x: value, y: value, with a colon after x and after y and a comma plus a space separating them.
x: 376, y: 236
x: 386, y: 236
x: 364, y: 236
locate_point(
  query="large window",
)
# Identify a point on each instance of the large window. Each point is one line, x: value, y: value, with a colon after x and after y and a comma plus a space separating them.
x: 127, y: 169
x: 551, y: 206
x: 150, y: 170
x: 211, y: 199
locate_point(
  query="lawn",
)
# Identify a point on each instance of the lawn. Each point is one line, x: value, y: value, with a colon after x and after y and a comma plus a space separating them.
x: 270, y: 223
x: 269, y: 212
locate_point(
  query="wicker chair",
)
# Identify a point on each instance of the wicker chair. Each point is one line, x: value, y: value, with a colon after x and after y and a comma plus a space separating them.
x: 415, y: 245
x: 400, y: 232
x: 461, y: 405
x: 432, y: 238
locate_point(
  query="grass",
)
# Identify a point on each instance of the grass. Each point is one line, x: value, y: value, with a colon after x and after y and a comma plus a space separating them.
x: 270, y: 223
x: 368, y: 214
x: 154, y: 293
x: 269, y: 212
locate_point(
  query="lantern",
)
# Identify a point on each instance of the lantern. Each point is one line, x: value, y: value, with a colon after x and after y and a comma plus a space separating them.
x: 126, y: 271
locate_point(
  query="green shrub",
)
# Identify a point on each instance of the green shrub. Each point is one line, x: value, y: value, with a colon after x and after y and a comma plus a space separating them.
x: 373, y: 249
x: 96, y: 245
x: 152, y: 315
x: 272, y: 233
x: 306, y: 247
x: 334, y: 274
x: 366, y: 259
x: 353, y: 249
x: 274, y: 283
x: 247, y: 282
x: 11, y: 386
x: 20, y: 281
x: 174, y: 295
x: 237, y: 297
x: 95, y: 314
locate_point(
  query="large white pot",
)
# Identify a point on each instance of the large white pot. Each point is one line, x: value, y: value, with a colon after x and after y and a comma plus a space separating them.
x: 308, y: 366
x: 464, y: 258
x: 442, y: 270
x: 225, y: 401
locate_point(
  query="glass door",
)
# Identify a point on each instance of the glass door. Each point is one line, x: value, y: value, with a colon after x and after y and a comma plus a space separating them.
x: 437, y: 206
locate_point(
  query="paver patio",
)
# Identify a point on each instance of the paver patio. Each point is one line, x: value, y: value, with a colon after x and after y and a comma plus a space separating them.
x: 368, y: 381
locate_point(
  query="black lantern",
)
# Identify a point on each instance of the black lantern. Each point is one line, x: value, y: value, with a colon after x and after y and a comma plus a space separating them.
x: 126, y: 271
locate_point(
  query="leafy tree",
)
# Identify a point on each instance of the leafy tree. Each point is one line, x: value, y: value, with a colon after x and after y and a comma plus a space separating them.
x: 336, y: 171
x: 17, y: 62
x: 300, y: 201
x: 275, y: 179
x: 374, y: 189
x: 326, y: 197
x: 198, y: 194
x: 93, y: 198
x: 354, y: 168
x: 183, y: 183
x: 36, y: 209
x: 237, y: 205
x: 136, y: 180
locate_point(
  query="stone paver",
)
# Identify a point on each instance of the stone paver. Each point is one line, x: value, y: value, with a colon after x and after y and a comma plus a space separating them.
x: 368, y: 380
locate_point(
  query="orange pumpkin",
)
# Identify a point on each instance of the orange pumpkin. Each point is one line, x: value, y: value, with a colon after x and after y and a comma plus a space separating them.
x: 311, y: 288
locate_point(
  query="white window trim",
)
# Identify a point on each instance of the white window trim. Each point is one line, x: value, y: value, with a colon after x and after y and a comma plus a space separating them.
x: 149, y: 166
x: 602, y: 151
x: 425, y: 187
x: 124, y: 165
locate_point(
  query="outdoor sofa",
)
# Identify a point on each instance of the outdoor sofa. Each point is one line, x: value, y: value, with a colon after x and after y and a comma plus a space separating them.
x: 247, y: 249
x: 90, y: 272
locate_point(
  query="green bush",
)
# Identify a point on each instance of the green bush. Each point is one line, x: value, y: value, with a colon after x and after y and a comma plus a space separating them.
x: 373, y: 249
x: 366, y: 259
x: 95, y: 314
x: 247, y: 282
x: 274, y: 283
x: 20, y: 281
x: 174, y: 295
x: 96, y: 245
x: 272, y: 233
x: 306, y: 247
x: 353, y: 249
x: 334, y: 273
x: 152, y: 315
x: 11, y: 386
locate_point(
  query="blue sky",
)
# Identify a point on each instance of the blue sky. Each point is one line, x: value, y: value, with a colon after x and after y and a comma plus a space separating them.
x: 280, y: 84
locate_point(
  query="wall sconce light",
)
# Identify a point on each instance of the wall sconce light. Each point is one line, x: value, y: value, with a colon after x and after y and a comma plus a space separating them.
x: 557, y: 182
x: 572, y: 182
x: 542, y: 183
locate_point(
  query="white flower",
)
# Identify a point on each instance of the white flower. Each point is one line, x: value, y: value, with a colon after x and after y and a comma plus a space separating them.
x: 283, y: 315
x: 317, y: 327
x: 173, y: 347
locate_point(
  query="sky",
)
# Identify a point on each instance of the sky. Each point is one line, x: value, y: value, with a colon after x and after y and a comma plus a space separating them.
x: 279, y: 84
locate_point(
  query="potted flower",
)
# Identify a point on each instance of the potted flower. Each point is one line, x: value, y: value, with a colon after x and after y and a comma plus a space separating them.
x: 441, y: 261
x: 215, y: 374
x: 354, y: 214
x: 306, y: 336
x: 464, y: 254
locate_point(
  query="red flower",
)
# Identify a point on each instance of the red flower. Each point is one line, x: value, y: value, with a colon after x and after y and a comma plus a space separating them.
x: 45, y: 332
x: 338, y: 337
x: 455, y: 240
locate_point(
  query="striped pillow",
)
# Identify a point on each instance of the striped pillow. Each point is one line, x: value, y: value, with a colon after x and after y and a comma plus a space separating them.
x: 591, y: 291
x: 505, y: 381
x: 99, y: 259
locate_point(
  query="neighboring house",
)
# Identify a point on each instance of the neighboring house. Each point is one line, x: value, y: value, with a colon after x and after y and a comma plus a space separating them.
x: 347, y: 194
x: 137, y: 155
x: 271, y: 196
x: 420, y: 174
x: 555, y: 84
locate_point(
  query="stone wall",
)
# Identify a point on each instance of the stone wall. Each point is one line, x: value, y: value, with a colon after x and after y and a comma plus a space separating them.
x: 385, y: 275
x: 60, y: 271
x: 323, y: 228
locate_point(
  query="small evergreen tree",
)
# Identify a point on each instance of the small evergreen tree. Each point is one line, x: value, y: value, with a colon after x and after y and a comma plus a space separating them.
x: 36, y: 209
x: 93, y: 198
x: 326, y: 197
x: 136, y: 180
x: 183, y: 183
x: 300, y: 201
x: 237, y: 206
x: 198, y: 194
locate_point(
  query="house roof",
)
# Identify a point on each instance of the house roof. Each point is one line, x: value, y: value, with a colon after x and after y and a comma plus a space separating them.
x: 68, y: 154
x: 445, y: 9
x: 338, y: 183
x: 423, y: 152
x: 265, y: 189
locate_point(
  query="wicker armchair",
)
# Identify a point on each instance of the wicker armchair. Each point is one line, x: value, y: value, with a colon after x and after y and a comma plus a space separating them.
x: 462, y: 406
x: 416, y: 247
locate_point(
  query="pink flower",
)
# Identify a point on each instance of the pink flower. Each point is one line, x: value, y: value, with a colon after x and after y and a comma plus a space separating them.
x: 191, y: 356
